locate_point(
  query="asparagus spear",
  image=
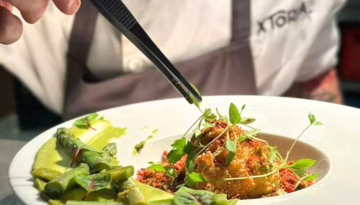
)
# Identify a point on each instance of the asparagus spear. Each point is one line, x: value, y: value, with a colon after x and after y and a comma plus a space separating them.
x: 65, y: 181
x: 130, y: 194
x: 121, y: 173
x: 111, y: 149
x: 97, y: 160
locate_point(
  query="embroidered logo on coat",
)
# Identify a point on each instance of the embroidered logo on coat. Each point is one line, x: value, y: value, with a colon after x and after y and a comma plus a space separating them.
x: 282, y: 18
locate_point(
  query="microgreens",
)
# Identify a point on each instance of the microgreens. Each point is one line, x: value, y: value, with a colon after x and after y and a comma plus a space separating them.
x: 230, y: 145
x: 183, y: 147
x: 272, y: 155
x: 193, y: 99
x: 193, y: 178
x: 156, y: 167
x: 234, y: 114
x: 168, y: 171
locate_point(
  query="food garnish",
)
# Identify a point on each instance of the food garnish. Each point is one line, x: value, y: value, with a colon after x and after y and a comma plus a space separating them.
x: 224, y: 160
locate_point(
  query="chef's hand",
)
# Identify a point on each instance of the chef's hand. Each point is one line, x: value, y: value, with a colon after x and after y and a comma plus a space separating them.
x: 31, y: 11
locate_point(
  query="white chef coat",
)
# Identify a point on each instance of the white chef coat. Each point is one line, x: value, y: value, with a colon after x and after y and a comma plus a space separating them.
x: 291, y: 41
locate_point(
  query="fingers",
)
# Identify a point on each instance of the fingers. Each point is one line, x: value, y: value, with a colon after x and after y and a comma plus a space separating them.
x: 10, y: 27
x: 5, y: 4
x: 68, y: 7
x: 31, y: 10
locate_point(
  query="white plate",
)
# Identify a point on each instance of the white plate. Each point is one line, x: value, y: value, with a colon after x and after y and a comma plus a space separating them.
x: 339, y: 139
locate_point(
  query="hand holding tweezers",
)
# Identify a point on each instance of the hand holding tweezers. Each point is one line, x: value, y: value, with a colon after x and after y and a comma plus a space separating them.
x: 116, y: 13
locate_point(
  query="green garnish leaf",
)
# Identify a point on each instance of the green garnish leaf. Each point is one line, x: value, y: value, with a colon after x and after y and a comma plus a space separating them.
x: 197, y: 134
x: 246, y: 121
x: 242, y: 138
x: 194, y: 100
x: 234, y: 114
x: 193, y: 178
x: 312, y: 118
x: 272, y: 155
x: 310, y: 177
x: 206, y: 124
x: 190, y: 150
x: 208, y: 115
x: 191, y: 166
x: 252, y: 133
x: 229, y: 158
x: 230, y: 145
x: 178, y: 151
x: 156, y: 167
x: 85, y: 121
x: 242, y: 108
x: 299, y: 172
x: 170, y: 171
x: 302, y: 164
x: 94, y: 182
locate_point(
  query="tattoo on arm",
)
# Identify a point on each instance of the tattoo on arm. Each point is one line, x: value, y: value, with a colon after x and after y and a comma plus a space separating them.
x: 325, y: 87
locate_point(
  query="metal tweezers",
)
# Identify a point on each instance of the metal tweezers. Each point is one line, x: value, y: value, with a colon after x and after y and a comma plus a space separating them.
x: 116, y: 13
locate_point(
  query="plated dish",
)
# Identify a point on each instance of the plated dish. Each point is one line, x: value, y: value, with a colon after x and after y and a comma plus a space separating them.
x: 222, y: 156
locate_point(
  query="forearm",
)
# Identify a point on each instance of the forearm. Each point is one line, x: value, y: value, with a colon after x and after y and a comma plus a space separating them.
x: 324, y: 87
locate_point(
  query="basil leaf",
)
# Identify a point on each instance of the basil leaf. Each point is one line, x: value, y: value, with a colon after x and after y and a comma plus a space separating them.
x: 310, y: 177
x: 302, y: 164
x: 193, y: 178
x: 229, y: 158
x: 94, y: 182
x: 156, y: 167
x: 272, y: 155
x: 247, y: 120
x: 234, y: 114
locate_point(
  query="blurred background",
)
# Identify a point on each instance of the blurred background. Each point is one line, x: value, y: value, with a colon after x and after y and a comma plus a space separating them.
x: 22, y: 116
